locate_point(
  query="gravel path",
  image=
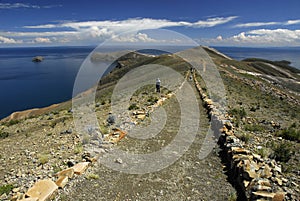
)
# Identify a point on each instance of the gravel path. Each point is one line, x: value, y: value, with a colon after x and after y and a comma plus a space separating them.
x: 189, y: 178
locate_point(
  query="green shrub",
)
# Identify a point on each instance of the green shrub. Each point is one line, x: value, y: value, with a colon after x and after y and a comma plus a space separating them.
x: 254, y: 127
x: 152, y: 100
x: 92, y: 176
x: 232, y: 197
x: 283, y: 152
x: 239, y: 113
x: 290, y: 133
x: 78, y: 149
x: 104, y: 129
x: 6, y: 189
x: 263, y: 152
x: 133, y: 106
x: 3, y: 135
x: 245, y: 137
x: 11, y: 122
x: 43, y: 159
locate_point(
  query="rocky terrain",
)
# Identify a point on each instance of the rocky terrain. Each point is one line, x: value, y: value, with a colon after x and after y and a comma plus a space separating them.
x: 262, y: 116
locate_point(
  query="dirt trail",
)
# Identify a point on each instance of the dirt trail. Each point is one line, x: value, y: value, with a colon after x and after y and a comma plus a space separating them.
x: 189, y: 178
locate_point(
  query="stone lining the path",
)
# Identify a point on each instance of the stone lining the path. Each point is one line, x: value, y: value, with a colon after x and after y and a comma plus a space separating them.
x: 258, y: 178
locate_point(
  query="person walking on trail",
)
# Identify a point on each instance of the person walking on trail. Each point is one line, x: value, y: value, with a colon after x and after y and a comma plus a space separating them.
x: 158, y: 85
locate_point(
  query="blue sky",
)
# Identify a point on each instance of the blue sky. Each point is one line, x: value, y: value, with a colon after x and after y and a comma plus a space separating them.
x: 90, y: 22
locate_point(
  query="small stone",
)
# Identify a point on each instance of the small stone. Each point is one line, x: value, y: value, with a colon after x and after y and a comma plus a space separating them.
x: 266, y: 172
x: 264, y: 194
x: 279, y: 196
x: 141, y: 116
x: 279, y: 181
x: 62, y: 181
x: 15, y: 190
x: 277, y: 168
x: 264, y: 182
x: 246, y: 183
x: 119, y: 160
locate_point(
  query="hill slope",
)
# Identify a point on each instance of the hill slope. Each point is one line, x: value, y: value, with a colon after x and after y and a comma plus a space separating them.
x: 264, y: 106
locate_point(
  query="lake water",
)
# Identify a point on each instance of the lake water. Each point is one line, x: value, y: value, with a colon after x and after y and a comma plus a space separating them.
x: 291, y: 54
x: 25, y: 84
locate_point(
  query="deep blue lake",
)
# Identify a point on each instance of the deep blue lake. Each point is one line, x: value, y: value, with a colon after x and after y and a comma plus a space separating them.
x: 25, y: 84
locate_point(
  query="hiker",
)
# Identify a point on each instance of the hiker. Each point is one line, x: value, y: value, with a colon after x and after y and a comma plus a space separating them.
x: 191, y: 77
x: 158, y: 85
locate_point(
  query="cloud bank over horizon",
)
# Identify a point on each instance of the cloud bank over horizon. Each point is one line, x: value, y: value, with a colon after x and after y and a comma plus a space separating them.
x: 94, y: 32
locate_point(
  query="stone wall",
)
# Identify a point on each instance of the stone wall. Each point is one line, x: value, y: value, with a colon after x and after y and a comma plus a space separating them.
x: 257, y: 178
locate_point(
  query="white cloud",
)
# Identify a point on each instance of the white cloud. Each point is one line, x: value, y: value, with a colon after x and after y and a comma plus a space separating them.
x: 42, y: 40
x: 211, y: 22
x: 102, y: 30
x: 291, y: 22
x: 6, y: 40
x: 24, y: 5
x: 260, y: 37
x: 260, y: 24
x: 137, y: 23
x: 257, y: 24
x: 220, y: 38
x: 38, y: 34
x: 132, y: 38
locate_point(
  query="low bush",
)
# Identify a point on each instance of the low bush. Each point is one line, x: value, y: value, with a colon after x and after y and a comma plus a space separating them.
x: 254, y: 127
x: 290, y: 133
x: 133, y: 106
x: 3, y: 135
x: 283, y: 152
x: 6, y: 189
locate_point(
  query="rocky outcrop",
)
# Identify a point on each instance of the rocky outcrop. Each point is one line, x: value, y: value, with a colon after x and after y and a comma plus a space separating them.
x: 37, y: 59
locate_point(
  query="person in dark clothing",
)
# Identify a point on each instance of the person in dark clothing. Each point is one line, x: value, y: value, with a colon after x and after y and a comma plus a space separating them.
x: 158, y: 85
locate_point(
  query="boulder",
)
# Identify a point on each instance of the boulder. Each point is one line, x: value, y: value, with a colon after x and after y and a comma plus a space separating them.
x: 42, y: 190
x: 79, y: 168
x: 69, y: 172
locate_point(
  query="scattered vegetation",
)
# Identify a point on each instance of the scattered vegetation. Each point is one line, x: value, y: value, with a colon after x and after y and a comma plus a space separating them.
x: 254, y: 127
x: 152, y: 100
x: 6, y: 189
x: 104, y: 129
x: 92, y: 176
x: 78, y: 149
x: 238, y: 112
x: 85, y: 139
x: 56, y: 169
x: 11, y: 122
x: 283, y: 152
x: 43, y: 159
x: 263, y: 152
x: 290, y: 133
x: 133, y: 106
x: 232, y: 197
x: 245, y: 137
x: 3, y: 134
